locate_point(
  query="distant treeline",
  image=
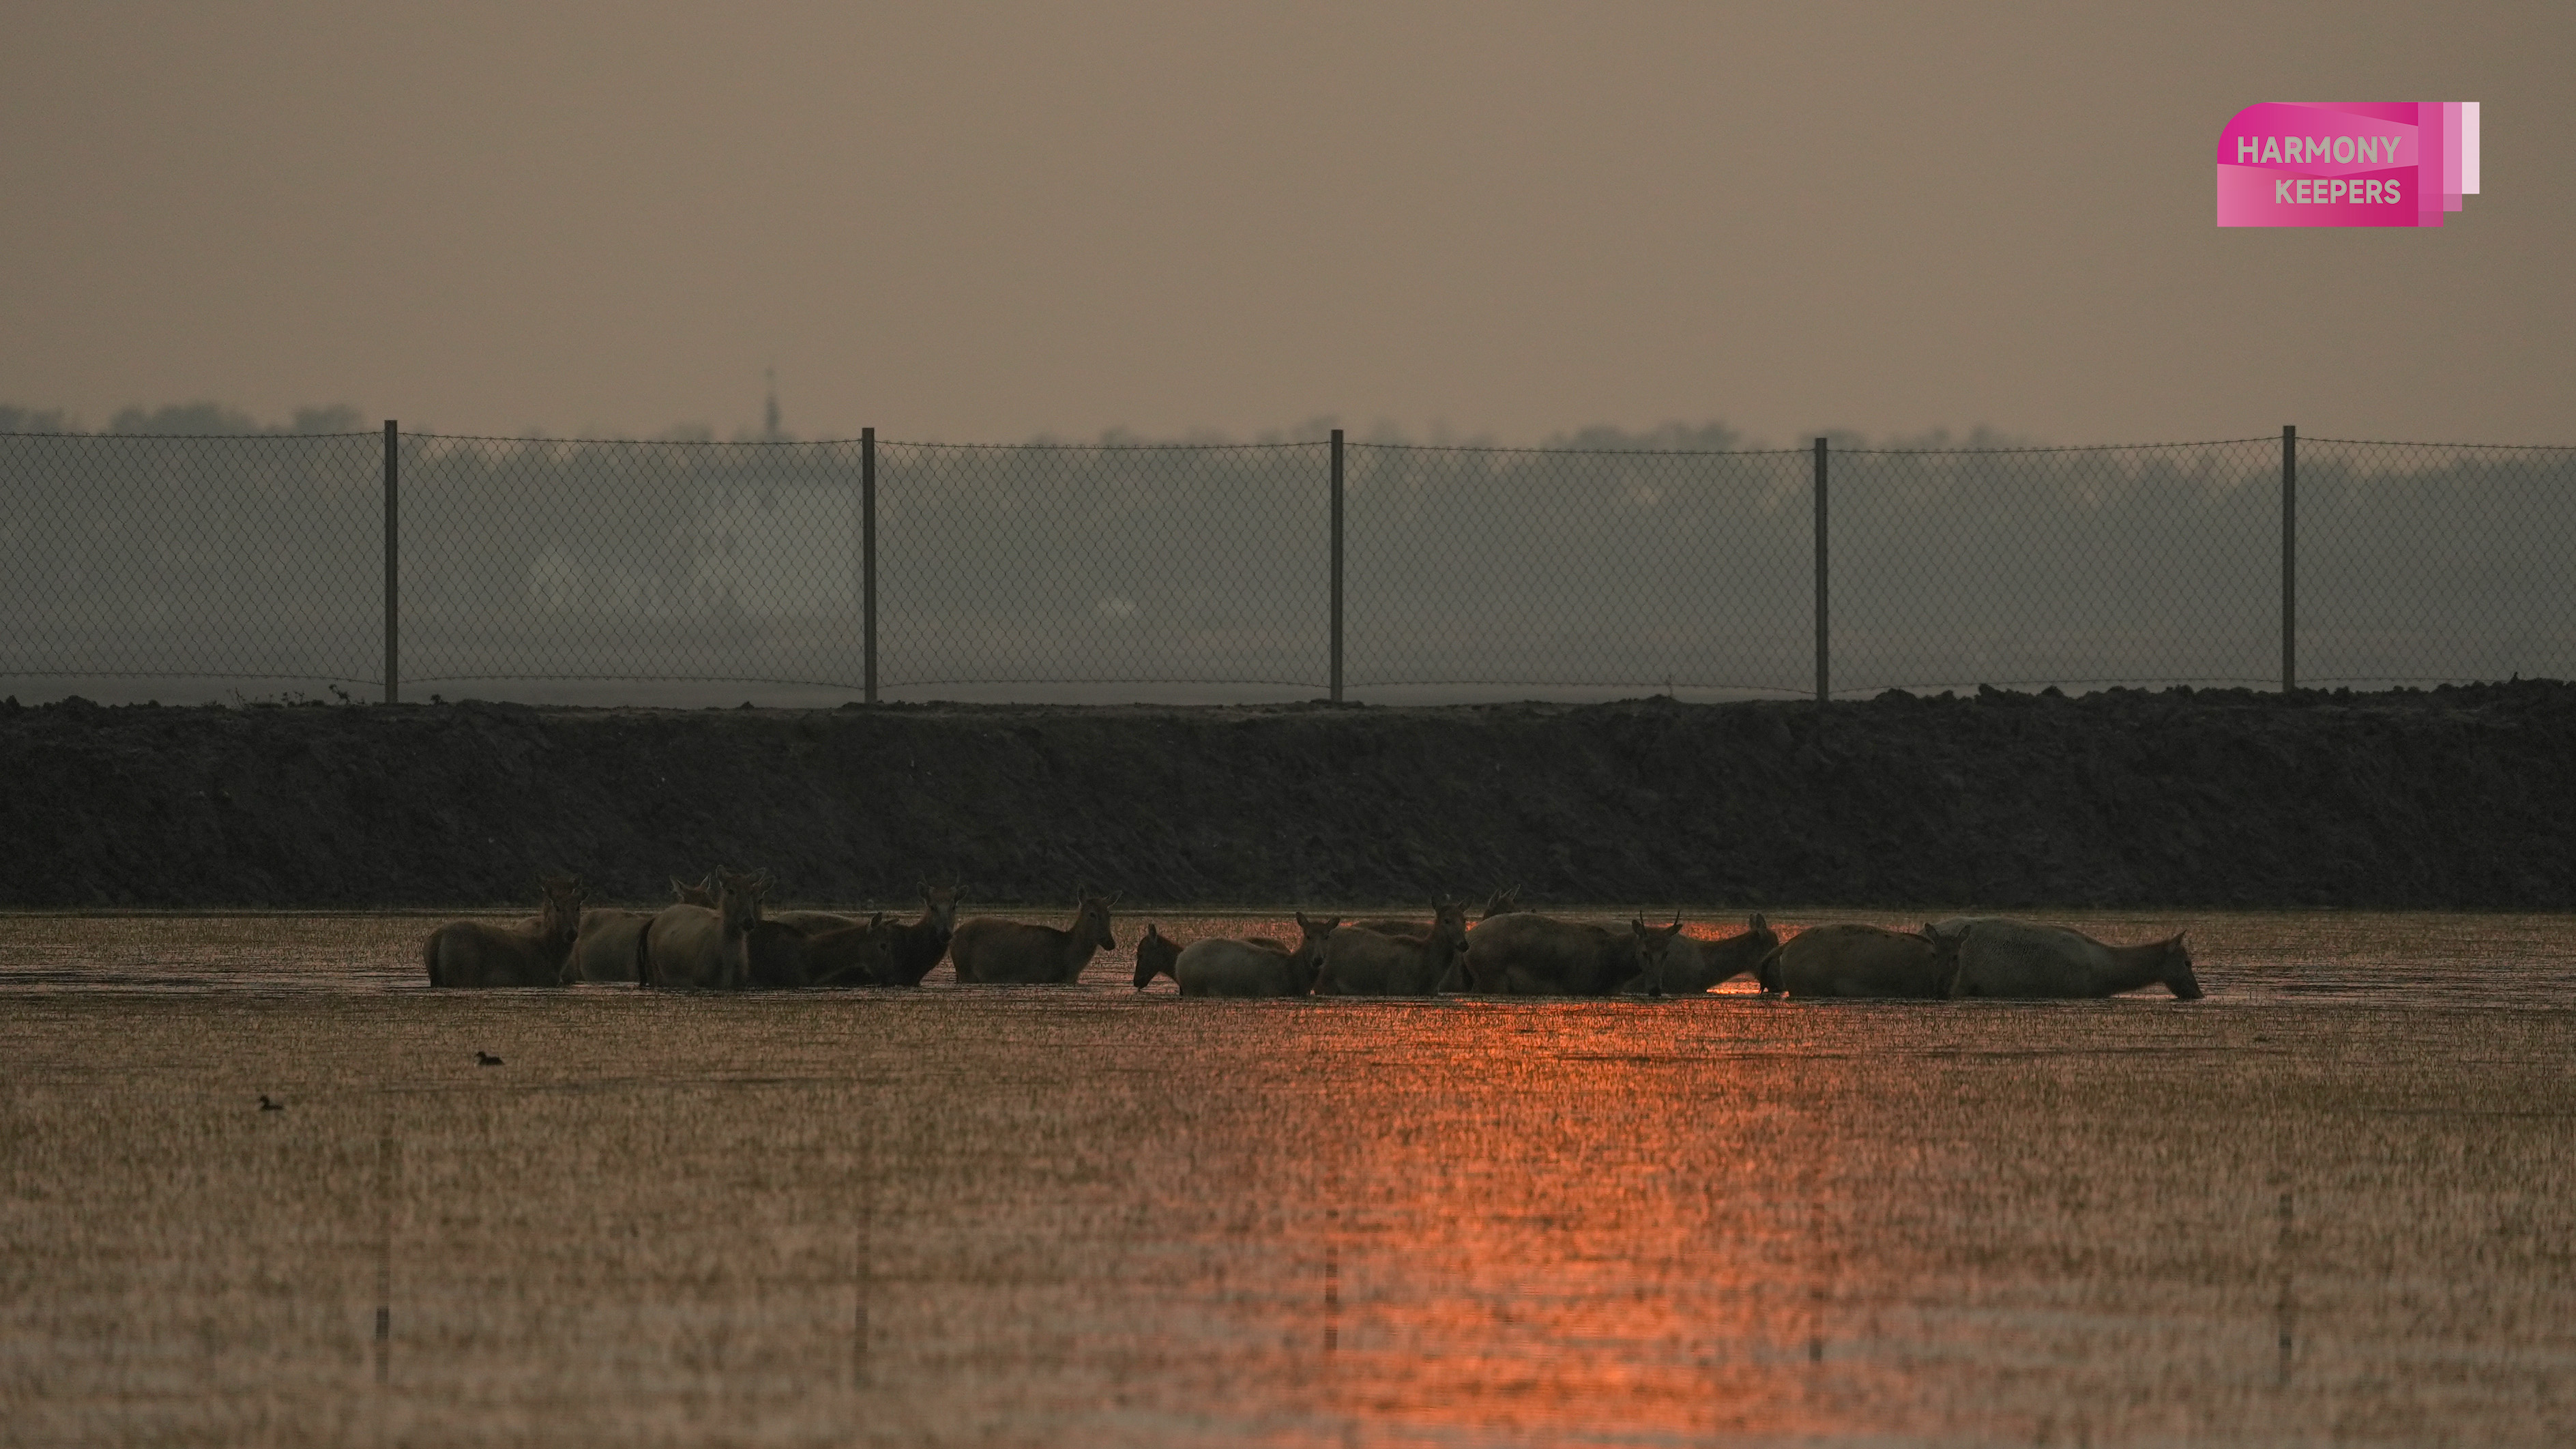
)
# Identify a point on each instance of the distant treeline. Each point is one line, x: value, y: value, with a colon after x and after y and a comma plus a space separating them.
x: 185, y: 419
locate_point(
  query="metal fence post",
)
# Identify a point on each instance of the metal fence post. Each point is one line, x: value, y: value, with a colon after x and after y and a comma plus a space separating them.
x: 1337, y: 566
x: 868, y: 550
x: 2289, y: 558
x: 393, y: 563
x: 1823, y: 680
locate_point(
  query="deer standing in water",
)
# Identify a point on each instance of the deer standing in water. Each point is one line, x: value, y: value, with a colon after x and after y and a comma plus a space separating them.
x: 529, y: 953
x: 990, y: 949
x: 698, y: 946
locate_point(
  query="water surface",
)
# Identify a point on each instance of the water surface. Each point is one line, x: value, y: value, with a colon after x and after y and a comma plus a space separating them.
x: 2331, y: 1202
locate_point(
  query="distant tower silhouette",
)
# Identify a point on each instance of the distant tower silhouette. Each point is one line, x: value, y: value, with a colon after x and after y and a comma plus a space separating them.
x: 769, y: 427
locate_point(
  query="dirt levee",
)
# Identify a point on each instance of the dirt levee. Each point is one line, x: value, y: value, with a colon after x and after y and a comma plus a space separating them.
x: 2452, y: 798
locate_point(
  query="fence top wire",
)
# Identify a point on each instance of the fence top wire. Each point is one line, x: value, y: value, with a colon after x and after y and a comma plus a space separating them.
x: 2483, y: 447
x: 1109, y: 447
x: 2060, y: 447
x: 640, y: 442
x: 1581, y: 452
x: 202, y: 437
x: 853, y: 442
x: 1147, y: 447
x: 1048, y: 445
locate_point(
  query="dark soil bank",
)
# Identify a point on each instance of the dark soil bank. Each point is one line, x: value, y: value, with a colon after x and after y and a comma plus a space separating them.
x: 2453, y: 798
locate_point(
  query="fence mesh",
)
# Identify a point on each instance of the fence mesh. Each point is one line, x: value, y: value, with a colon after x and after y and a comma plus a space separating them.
x: 1206, y: 567
x: 1634, y: 571
x: 2420, y: 563
x: 589, y: 562
x: 724, y: 563
x: 203, y: 567
x: 2076, y: 567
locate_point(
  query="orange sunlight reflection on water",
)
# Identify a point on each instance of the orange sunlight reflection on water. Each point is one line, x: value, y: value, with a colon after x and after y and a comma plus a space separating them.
x: 1549, y: 1219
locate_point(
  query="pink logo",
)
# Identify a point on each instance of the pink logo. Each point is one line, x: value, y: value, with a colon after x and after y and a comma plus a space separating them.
x: 2343, y: 163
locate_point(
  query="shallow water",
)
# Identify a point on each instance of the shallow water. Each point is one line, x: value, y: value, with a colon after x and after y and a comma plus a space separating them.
x: 2329, y: 1203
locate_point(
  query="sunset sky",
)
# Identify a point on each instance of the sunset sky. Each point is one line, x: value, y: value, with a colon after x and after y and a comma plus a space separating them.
x: 1496, y: 220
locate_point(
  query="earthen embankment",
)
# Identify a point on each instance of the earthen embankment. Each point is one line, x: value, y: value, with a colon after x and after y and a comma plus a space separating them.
x: 2461, y: 797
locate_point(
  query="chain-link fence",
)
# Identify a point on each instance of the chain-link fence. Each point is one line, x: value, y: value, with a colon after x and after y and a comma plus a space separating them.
x: 2422, y: 562
x: 191, y: 566
x: 535, y: 563
x: 1104, y: 568
x: 1473, y: 570
x: 2074, y: 567
x: 792, y: 572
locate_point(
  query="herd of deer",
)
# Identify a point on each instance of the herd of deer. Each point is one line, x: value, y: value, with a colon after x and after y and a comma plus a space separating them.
x: 717, y: 937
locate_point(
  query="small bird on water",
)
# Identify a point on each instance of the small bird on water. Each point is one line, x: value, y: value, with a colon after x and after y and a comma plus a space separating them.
x: 266, y: 1105
x: 486, y: 1059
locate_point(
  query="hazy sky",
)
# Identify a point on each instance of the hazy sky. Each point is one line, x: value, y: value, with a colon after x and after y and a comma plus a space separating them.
x: 983, y: 222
